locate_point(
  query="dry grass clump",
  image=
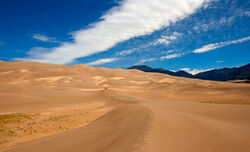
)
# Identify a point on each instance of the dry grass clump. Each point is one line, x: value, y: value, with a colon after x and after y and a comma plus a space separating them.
x: 17, y: 117
x: 9, y: 124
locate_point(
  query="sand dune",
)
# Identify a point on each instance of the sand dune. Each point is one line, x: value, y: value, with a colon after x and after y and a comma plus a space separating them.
x: 194, y: 127
x: 139, y: 82
x: 105, y: 134
x: 46, y: 107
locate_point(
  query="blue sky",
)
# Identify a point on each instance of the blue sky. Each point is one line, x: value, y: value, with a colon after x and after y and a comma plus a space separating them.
x: 193, y: 35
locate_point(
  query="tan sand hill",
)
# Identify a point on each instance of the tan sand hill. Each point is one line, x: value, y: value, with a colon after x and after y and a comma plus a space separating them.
x: 48, y: 107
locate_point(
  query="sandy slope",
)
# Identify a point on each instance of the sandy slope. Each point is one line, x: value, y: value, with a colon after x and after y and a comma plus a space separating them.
x: 194, y: 127
x: 128, y: 110
x: 116, y: 131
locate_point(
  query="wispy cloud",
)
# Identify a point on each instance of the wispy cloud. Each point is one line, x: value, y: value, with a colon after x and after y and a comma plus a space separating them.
x: 167, y: 52
x: 102, y: 61
x: 34, y: 51
x: 210, y: 47
x: 246, y: 13
x: 171, y: 56
x: 213, y: 24
x: 130, y: 19
x: 167, y: 39
x: 219, y: 61
x: 145, y: 60
x: 195, y: 71
x: 44, y: 38
x: 126, y: 52
x: 217, y: 23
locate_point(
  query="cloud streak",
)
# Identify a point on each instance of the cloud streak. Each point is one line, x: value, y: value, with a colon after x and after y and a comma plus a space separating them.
x: 210, y: 47
x: 44, y: 38
x: 130, y: 19
x: 102, y: 61
x: 145, y: 60
x: 171, y: 56
x: 167, y: 39
x: 126, y: 52
x: 219, y: 61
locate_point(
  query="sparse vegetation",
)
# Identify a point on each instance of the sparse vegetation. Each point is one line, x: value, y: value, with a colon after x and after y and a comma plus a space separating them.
x: 14, y: 118
x: 10, y: 125
x: 57, y: 118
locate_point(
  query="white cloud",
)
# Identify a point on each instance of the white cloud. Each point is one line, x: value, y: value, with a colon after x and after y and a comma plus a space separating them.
x: 210, y: 47
x: 219, y: 61
x: 102, y: 61
x: 162, y: 41
x: 130, y: 19
x: 145, y: 60
x: 34, y: 51
x: 125, y: 52
x: 167, y: 52
x: 246, y: 13
x: 217, y: 24
x: 194, y: 71
x: 213, y: 24
x: 44, y: 38
x: 185, y: 69
x: 167, y: 39
x: 171, y: 56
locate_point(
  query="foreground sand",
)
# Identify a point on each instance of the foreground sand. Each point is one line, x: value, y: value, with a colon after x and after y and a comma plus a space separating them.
x: 81, y: 108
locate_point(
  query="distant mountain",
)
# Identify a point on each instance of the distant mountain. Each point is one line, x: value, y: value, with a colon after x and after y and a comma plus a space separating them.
x: 225, y: 74
x: 182, y: 73
x: 160, y: 70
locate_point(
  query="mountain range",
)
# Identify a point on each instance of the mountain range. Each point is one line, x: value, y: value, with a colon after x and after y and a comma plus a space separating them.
x: 225, y: 74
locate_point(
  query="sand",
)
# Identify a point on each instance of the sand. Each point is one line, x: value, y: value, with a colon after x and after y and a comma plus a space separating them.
x: 47, y: 107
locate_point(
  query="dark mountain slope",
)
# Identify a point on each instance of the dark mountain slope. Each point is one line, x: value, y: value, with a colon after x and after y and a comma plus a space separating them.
x: 225, y: 74
x: 160, y: 70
